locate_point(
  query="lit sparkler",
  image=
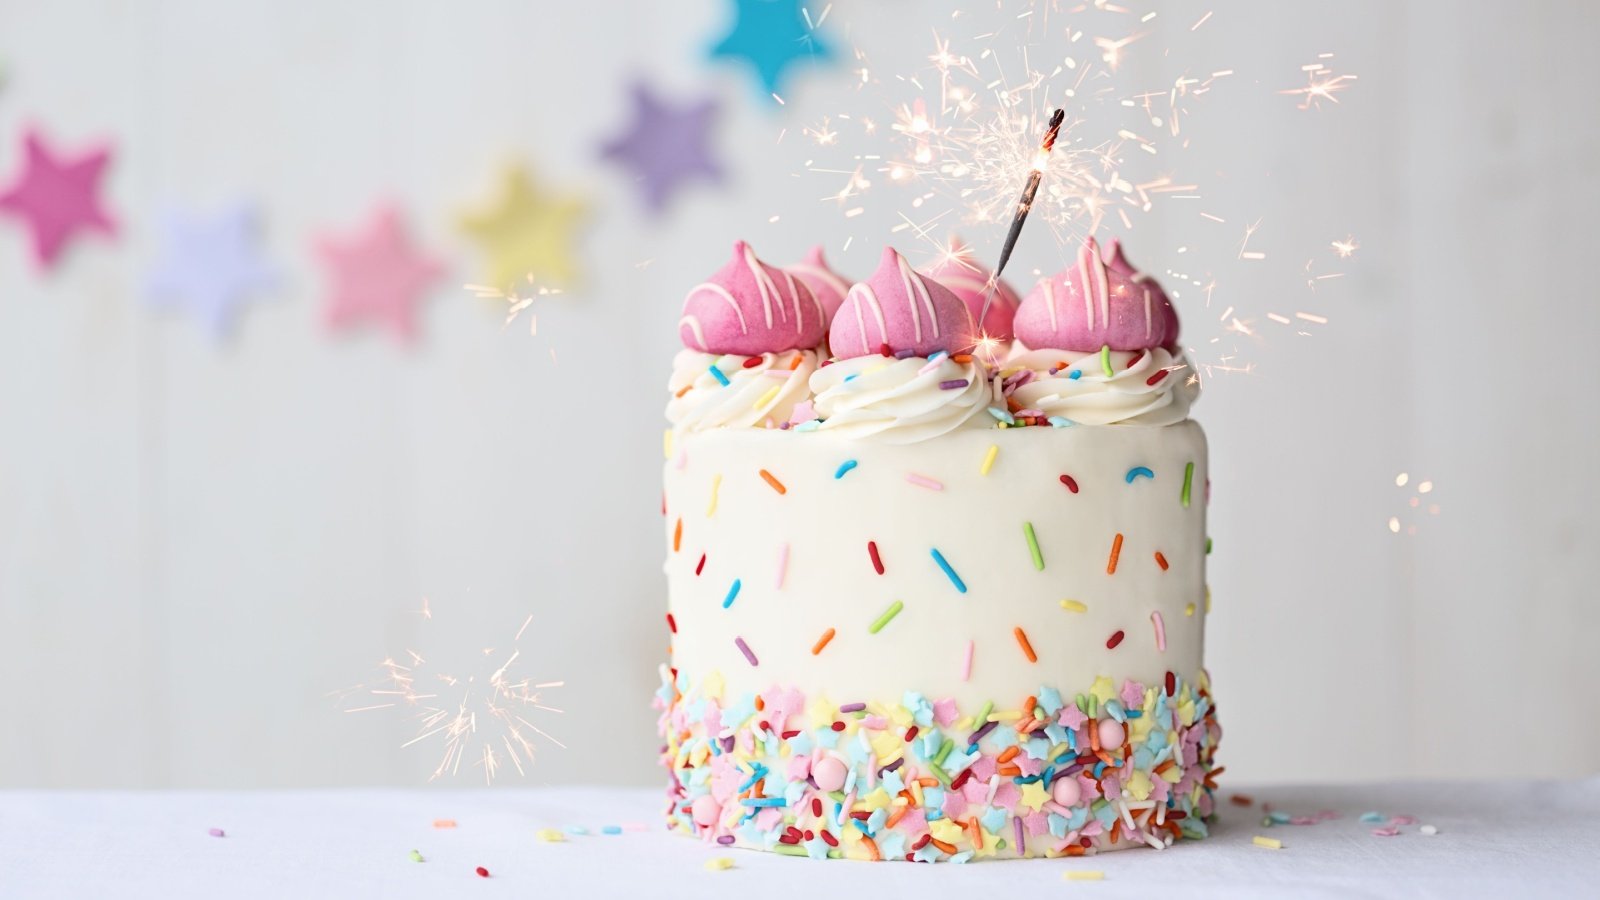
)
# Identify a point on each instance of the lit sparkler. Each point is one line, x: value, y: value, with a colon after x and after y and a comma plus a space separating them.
x: 482, y: 717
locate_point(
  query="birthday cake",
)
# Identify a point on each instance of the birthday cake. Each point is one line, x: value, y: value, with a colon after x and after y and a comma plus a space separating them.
x: 936, y: 591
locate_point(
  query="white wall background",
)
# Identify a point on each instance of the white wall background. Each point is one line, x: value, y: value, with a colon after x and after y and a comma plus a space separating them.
x: 198, y: 543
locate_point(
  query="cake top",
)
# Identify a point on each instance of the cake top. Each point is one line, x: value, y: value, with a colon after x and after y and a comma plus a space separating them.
x: 970, y: 280
x: 902, y: 311
x: 750, y: 308
x: 1097, y: 302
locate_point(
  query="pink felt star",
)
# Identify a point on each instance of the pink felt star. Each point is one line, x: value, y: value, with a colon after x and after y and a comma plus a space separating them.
x: 57, y: 197
x: 377, y: 274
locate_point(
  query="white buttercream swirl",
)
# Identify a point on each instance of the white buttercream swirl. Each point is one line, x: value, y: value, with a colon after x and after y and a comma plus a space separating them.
x: 761, y: 395
x: 901, y: 400
x: 1126, y: 397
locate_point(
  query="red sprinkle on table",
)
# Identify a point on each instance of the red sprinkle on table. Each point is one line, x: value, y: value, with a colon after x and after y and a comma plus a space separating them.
x: 1161, y: 561
x: 1072, y: 485
x: 1113, y: 641
x: 482, y: 872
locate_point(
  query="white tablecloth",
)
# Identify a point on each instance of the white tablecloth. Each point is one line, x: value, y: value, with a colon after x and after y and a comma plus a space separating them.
x: 1516, y: 839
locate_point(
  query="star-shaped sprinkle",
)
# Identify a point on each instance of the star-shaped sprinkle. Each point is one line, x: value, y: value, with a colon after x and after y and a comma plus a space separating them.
x: 527, y: 234
x: 666, y: 145
x: 376, y: 274
x: 57, y: 197
x: 210, y: 266
x: 1034, y: 796
x: 771, y: 36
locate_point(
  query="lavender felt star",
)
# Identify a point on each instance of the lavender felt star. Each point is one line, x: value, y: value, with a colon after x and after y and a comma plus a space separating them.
x: 210, y: 266
x: 57, y: 197
x: 667, y: 146
x: 771, y: 36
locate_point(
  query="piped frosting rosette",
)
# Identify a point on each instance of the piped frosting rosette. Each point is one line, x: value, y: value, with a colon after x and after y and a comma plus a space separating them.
x: 734, y: 391
x: 901, y: 375
x: 1144, y: 387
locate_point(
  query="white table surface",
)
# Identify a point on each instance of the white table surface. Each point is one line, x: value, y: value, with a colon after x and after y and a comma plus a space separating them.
x: 1518, y: 839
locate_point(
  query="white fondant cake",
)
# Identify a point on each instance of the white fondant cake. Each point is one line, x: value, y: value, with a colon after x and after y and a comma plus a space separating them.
x: 919, y: 611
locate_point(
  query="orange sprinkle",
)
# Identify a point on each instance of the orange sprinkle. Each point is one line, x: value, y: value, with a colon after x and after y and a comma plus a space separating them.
x: 1242, y: 800
x: 1094, y: 740
x: 677, y: 535
x: 872, y: 847
x: 898, y: 815
x: 928, y: 781
x: 1074, y: 850
x: 776, y: 484
x: 1161, y: 561
x: 1116, y: 551
x: 1008, y: 754
x: 816, y: 649
x: 796, y: 364
x: 1165, y: 766
x: 961, y: 358
x: 1022, y: 641
x: 976, y: 831
x: 1116, y: 828
x: 444, y: 823
x: 1008, y: 771
x: 686, y: 389
x: 760, y: 703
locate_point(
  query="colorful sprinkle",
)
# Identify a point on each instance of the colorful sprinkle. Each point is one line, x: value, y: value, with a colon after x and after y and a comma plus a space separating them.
x: 701, y: 566
x: 550, y: 835
x: 844, y: 467
x: 816, y: 649
x: 966, y: 663
x: 1116, y: 551
x: 1114, y: 640
x: 1188, y: 478
x: 672, y: 624
x: 1033, y: 546
x: 1105, y: 361
x: 953, y: 384
x: 733, y: 591
x: 767, y: 397
x: 717, y: 374
x: 1155, y: 379
x: 482, y: 872
x: 1083, y: 875
x: 988, y: 459
x: 1136, y: 471
x: 719, y: 864
x: 924, y: 481
x: 1188, y: 609
x: 666, y: 444
x: 1161, y: 561
x: 783, y: 565
x: 745, y: 649
x: 415, y: 856
x: 772, y: 480
x: 949, y: 572
x: 877, y: 561
x: 888, y: 614
x: 716, y: 486
x: 1269, y: 843
x: 1002, y: 416
x: 1429, y: 830
x: 444, y: 823
x: 218, y: 832
x: 677, y: 535
x: 1073, y: 606
x: 1022, y: 641
x: 1161, y: 630
x: 1070, y: 482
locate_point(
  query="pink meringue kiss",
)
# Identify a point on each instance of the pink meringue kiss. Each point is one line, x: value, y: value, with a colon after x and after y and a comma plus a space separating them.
x: 902, y: 311
x: 750, y: 308
x: 825, y: 284
x: 1097, y: 303
x: 968, y: 279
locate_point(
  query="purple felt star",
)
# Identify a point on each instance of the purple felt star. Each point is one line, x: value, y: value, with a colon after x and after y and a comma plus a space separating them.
x: 210, y: 266
x: 377, y: 274
x: 666, y: 146
x: 57, y: 197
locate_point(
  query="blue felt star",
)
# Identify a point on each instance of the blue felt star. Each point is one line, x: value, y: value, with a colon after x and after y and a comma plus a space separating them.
x: 210, y: 266
x: 666, y: 145
x: 771, y: 36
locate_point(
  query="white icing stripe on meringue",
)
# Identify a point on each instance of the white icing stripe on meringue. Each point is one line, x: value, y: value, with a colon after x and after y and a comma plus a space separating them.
x: 899, y: 400
x: 1125, y: 398
x: 725, y: 294
x: 754, y: 397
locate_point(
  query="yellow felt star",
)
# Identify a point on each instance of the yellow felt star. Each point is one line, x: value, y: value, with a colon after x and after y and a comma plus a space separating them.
x: 1035, y: 796
x: 527, y: 233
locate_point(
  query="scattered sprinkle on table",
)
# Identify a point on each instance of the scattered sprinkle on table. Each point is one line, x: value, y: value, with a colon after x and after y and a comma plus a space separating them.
x: 444, y: 823
x: 1429, y: 830
x: 482, y: 872
x: 550, y: 835
x: 1269, y: 843
x: 416, y: 856
x: 1070, y: 482
x: 1073, y: 606
x: 719, y: 863
x: 216, y: 832
x: 1083, y: 875
x: 1374, y: 818
x: 611, y: 829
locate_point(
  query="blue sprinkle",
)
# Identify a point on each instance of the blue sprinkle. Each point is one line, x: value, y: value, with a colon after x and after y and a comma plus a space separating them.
x: 1136, y: 471
x: 844, y: 467
x: 1075, y: 374
x: 1373, y: 818
x: 1135, y: 714
x: 1001, y: 415
x: 575, y: 829
x: 732, y: 593
x: 938, y: 356
x: 717, y: 374
x: 949, y: 572
x: 812, y: 425
x: 1060, y: 422
x: 612, y: 829
x: 850, y: 378
x: 764, y: 801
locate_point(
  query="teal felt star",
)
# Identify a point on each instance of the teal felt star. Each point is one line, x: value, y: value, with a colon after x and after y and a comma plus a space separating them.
x: 771, y: 36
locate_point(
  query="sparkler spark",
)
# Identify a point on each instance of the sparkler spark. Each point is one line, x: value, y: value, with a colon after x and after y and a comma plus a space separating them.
x: 483, y: 716
x: 515, y: 301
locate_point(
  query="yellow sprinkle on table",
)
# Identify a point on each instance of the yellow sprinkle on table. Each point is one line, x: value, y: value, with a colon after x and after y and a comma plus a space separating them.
x: 1073, y: 606
x: 551, y: 835
x: 719, y: 863
x: 1083, y: 875
x: 1269, y: 843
